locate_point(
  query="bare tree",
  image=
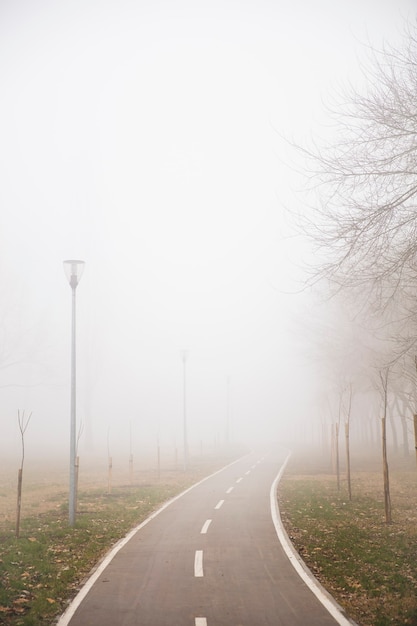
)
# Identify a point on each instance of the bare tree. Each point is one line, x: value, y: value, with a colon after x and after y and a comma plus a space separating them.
x: 130, y: 454
x: 23, y: 423
x: 109, y: 463
x: 366, y: 218
x: 383, y: 374
x: 348, y: 409
x: 337, y: 431
x: 415, y: 433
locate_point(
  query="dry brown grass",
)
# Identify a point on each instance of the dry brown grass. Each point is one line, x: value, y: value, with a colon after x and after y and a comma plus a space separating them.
x: 368, y: 566
x: 46, y: 481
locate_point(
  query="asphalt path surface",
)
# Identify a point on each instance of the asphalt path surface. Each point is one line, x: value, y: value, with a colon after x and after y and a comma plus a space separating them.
x: 212, y: 557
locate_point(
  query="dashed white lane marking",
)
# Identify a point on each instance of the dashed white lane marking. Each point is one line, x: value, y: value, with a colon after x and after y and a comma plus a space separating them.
x: 230, y: 490
x: 239, y: 479
x: 248, y: 472
x: 253, y: 466
x: 205, y: 526
x: 200, y: 621
x: 219, y: 504
x: 198, y: 563
x: 66, y: 617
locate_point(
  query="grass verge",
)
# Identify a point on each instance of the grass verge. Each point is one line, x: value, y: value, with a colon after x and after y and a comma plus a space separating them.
x: 368, y: 566
x: 44, y: 568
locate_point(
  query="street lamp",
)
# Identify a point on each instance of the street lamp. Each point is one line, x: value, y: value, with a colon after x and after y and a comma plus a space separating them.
x: 73, y: 271
x: 184, y: 355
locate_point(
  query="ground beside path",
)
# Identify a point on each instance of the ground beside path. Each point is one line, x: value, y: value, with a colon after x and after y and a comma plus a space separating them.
x: 368, y: 566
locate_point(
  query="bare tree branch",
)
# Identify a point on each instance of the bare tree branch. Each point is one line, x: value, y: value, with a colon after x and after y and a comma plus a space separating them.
x: 364, y: 225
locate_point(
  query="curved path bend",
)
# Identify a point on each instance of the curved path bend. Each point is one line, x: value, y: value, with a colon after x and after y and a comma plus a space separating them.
x: 214, y: 556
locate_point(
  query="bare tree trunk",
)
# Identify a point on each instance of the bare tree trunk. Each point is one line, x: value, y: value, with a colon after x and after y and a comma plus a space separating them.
x: 23, y: 424
x: 109, y: 463
x: 406, y: 449
x: 404, y: 429
x: 415, y: 433
x: 393, y: 428
x: 348, y: 460
x: 387, y: 498
x: 77, y: 473
x: 130, y: 454
x: 323, y: 438
x: 337, y: 455
x: 349, y: 483
x: 347, y: 442
x: 19, y: 500
x: 109, y: 474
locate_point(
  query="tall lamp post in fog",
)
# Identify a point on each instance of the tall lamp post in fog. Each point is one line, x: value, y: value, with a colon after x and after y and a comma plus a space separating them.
x: 184, y: 355
x: 73, y: 271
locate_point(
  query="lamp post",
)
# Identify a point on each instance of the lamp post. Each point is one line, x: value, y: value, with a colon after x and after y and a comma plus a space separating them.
x: 184, y: 355
x: 73, y: 271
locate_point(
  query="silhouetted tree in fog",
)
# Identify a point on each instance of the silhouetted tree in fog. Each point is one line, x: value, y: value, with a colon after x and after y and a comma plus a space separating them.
x: 365, y: 221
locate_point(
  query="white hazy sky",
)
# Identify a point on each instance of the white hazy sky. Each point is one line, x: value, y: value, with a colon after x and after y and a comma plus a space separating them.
x: 144, y: 138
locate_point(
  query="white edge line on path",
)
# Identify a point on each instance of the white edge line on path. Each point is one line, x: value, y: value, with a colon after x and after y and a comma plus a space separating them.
x: 205, y: 527
x: 198, y: 564
x: 67, y: 615
x: 335, y: 610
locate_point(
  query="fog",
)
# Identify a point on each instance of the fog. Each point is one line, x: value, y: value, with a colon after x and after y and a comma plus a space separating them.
x: 145, y: 138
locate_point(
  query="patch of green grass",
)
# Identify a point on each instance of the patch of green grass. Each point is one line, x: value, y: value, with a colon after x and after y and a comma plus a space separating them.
x: 369, y: 567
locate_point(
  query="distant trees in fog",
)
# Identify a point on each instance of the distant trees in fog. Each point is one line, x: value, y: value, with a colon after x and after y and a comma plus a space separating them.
x: 363, y: 225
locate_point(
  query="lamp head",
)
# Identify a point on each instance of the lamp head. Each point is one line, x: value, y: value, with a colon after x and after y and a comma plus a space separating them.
x: 73, y: 271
